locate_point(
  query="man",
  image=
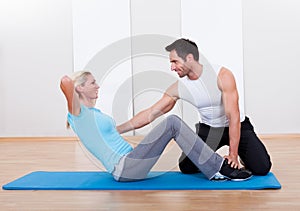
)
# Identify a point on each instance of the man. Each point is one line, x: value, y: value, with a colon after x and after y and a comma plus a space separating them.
x: 212, y: 90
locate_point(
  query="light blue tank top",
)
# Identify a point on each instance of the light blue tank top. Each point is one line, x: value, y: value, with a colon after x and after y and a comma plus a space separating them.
x: 97, y: 131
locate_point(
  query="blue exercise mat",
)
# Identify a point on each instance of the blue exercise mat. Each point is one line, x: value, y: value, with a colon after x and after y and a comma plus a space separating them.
x: 43, y: 180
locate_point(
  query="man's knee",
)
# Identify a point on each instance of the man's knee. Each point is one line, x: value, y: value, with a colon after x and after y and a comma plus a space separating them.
x: 261, y: 169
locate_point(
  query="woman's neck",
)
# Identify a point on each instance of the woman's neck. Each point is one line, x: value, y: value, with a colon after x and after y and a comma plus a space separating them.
x: 90, y: 103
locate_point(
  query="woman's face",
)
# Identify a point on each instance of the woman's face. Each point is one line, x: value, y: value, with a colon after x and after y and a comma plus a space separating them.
x: 90, y: 88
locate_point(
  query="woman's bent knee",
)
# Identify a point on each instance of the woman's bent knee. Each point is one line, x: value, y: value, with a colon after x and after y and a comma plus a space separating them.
x: 173, y: 118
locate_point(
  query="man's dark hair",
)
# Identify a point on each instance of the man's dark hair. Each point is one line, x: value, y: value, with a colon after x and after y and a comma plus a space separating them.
x: 183, y: 47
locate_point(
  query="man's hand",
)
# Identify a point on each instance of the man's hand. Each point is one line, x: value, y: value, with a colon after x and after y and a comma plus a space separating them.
x: 233, y: 161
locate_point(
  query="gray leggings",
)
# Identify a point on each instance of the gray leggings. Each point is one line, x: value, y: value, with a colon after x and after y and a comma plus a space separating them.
x: 138, y: 163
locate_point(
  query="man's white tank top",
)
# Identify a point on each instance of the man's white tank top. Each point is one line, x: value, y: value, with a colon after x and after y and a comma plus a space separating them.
x: 205, y: 95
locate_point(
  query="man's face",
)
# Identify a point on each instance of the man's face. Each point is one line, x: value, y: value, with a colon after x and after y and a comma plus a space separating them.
x: 178, y: 64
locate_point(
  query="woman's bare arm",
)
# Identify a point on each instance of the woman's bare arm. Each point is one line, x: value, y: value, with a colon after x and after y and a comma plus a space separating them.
x: 67, y: 87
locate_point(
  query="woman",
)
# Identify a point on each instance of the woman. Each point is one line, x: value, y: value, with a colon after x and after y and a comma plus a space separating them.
x: 98, y: 133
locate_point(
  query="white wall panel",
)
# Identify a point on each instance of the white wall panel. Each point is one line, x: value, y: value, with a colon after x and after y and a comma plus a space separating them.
x: 271, y: 50
x: 35, y: 51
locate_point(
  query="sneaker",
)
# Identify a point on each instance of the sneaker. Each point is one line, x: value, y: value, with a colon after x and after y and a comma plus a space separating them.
x: 219, y: 177
x: 234, y: 174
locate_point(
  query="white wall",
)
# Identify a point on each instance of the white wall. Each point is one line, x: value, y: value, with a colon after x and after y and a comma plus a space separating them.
x: 271, y: 64
x: 36, y: 50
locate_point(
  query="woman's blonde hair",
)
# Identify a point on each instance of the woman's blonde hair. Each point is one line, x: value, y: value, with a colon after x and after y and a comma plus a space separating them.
x: 80, y: 77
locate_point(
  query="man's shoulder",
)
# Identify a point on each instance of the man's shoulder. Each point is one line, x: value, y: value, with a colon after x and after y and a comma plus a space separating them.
x: 172, y: 90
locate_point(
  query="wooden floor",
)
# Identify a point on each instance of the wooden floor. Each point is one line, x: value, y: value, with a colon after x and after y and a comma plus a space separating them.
x: 19, y: 157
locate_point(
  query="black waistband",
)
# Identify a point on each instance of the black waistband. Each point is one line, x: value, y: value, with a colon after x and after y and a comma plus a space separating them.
x: 245, y: 125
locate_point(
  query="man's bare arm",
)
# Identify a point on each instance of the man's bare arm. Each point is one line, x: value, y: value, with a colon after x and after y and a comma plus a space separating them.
x: 164, y: 105
x: 230, y: 98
